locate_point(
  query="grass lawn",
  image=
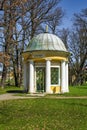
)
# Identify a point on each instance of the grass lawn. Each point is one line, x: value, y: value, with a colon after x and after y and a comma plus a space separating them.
x: 43, y: 114
x: 78, y: 91
x: 75, y: 91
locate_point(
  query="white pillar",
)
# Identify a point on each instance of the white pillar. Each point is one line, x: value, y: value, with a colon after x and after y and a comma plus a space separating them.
x: 63, y: 89
x: 48, y: 78
x: 31, y: 77
x: 25, y: 76
x: 66, y: 75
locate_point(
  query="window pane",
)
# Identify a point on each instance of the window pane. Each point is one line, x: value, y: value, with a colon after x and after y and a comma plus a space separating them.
x: 54, y: 76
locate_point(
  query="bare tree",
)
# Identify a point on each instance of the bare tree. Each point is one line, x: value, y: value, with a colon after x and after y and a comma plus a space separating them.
x: 64, y: 35
x: 22, y: 20
x: 78, y: 46
x: 11, y: 10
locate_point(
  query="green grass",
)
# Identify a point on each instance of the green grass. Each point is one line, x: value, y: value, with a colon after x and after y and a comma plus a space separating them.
x: 75, y: 91
x: 78, y: 91
x: 43, y: 114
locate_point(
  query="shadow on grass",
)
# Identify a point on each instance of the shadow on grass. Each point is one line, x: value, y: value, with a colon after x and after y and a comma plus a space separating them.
x: 16, y: 91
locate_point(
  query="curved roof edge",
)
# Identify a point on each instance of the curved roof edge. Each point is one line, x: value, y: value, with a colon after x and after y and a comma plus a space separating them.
x: 46, y: 41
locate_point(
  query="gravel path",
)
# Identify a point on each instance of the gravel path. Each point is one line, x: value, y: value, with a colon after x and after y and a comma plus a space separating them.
x: 10, y: 96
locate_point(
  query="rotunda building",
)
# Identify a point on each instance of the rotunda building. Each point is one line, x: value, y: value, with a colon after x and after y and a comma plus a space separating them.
x: 46, y: 65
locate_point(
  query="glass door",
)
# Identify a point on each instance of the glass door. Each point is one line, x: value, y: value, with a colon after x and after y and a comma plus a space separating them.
x: 40, y: 79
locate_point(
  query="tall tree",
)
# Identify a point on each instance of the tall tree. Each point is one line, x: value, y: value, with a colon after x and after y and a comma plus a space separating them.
x: 64, y: 34
x: 78, y: 46
x: 11, y: 10
x: 22, y: 20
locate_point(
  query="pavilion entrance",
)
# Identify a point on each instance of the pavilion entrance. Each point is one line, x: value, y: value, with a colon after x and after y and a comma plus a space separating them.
x: 40, y: 79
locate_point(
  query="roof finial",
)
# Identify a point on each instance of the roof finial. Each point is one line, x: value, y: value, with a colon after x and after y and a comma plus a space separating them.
x: 46, y: 28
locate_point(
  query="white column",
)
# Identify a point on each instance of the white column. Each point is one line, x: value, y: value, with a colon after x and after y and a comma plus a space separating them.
x: 48, y: 78
x: 63, y: 77
x: 31, y: 77
x: 66, y: 67
x: 25, y: 76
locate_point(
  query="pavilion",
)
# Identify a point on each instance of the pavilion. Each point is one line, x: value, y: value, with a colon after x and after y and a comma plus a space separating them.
x: 46, y: 65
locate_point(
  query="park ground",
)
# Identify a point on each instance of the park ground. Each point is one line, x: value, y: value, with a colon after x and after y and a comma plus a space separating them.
x: 44, y: 112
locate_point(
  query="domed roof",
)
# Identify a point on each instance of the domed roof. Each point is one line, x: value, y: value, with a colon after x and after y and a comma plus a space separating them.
x: 46, y: 41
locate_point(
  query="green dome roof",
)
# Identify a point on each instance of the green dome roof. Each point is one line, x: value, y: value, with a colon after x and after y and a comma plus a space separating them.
x: 46, y: 41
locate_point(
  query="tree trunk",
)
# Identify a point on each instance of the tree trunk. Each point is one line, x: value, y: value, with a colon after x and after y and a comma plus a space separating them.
x: 4, y: 73
x: 15, y: 75
x: 78, y: 80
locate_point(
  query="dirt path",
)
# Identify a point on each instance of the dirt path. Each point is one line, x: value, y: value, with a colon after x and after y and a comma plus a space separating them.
x: 79, y: 97
x: 10, y: 96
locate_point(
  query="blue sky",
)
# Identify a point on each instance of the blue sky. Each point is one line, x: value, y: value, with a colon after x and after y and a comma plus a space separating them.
x: 70, y: 7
